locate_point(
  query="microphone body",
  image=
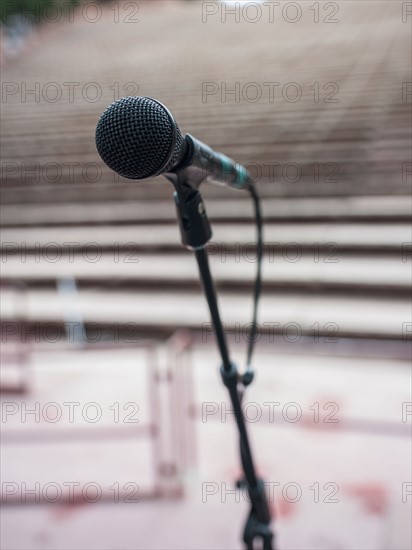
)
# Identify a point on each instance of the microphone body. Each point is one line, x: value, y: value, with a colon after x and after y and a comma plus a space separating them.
x: 213, y: 166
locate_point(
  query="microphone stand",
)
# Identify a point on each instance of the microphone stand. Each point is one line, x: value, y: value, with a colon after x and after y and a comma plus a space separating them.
x: 196, y: 232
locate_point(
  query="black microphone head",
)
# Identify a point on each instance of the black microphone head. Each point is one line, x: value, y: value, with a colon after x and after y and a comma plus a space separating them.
x: 137, y: 137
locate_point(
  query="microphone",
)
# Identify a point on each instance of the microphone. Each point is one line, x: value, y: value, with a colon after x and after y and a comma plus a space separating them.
x: 138, y: 138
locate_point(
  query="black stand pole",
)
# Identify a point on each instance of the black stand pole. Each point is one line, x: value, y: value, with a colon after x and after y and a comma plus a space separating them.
x: 257, y: 524
x: 196, y: 232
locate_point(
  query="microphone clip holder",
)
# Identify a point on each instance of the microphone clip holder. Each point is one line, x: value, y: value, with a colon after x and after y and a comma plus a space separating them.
x: 193, y: 222
x: 192, y: 218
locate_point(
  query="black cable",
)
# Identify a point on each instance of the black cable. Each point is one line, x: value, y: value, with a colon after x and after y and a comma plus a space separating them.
x: 258, y: 280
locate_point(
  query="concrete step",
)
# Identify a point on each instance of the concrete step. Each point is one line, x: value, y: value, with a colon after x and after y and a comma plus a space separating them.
x: 326, y: 269
x: 393, y: 208
x: 346, y: 236
x: 332, y: 315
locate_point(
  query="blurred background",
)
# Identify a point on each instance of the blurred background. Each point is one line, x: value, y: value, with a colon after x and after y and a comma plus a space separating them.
x: 116, y: 428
